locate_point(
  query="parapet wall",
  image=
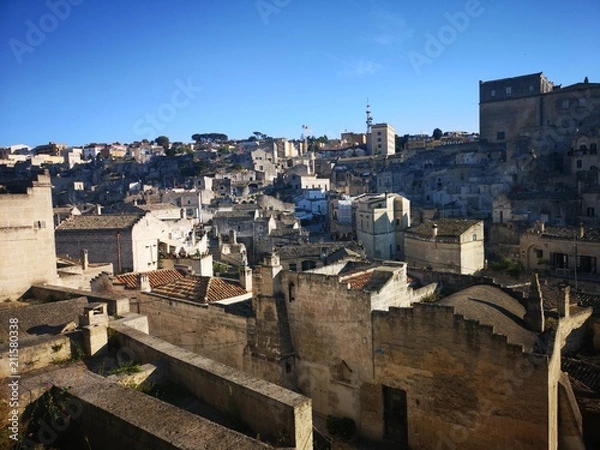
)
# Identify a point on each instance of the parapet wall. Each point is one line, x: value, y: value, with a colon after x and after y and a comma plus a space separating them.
x: 117, y: 304
x: 266, y: 408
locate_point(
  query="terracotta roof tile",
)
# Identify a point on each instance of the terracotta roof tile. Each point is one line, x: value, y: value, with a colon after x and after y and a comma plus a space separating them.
x: 201, y: 289
x: 156, y: 278
x: 357, y: 280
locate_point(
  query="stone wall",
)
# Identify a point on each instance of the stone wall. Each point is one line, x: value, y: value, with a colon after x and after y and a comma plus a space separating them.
x: 104, y: 415
x: 331, y: 333
x: 103, y: 246
x: 117, y: 304
x: 26, y: 239
x: 465, y: 386
x: 208, y: 330
x: 266, y: 408
x: 35, y: 353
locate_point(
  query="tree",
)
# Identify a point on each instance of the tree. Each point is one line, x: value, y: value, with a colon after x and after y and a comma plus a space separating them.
x: 196, y: 138
x: 401, y: 142
x: 163, y: 141
x: 437, y: 134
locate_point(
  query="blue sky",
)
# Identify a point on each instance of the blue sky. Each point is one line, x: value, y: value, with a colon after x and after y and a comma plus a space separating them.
x: 80, y: 71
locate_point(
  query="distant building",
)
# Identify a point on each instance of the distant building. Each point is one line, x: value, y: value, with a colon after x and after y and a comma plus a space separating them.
x: 380, y: 221
x: 382, y: 140
x: 534, y: 107
x: 563, y: 251
x: 447, y: 245
x: 26, y: 236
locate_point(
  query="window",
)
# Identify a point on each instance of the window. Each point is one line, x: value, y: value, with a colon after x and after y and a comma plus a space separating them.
x: 378, y: 139
x: 579, y: 164
x: 291, y: 292
x: 530, y: 89
x: 493, y: 93
x: 539, y: 253
x: 500, y: 135
x: 591, y: 212
x: 508, y: 91
x: 593, y: 148
x: 565, y: 104
x: 397, y: 222
x: 582, y: 102
x: 474, y: 237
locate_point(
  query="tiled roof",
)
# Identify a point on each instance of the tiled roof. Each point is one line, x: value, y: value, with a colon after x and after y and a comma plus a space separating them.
x: 370, y: 281
x: 589, y: 234
x: 156, y: 278
x: 158, y: 206
x: 585, y: 372
x: 358, y: 280
x: 201, y: 289
x: 235, y: 215
x: 102, y: 222
x: 490, y: 305
x: 309, y: 249
x: 445, y: 227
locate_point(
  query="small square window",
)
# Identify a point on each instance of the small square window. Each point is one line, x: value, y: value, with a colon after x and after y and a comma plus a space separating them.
x: 500, y: 135
x: 493, y: 93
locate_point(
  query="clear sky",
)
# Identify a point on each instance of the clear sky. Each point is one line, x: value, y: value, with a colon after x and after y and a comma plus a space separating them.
x: 80, y: 71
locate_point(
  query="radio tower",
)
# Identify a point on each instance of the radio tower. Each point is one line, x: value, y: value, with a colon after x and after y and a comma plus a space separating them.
x: 369, y: 118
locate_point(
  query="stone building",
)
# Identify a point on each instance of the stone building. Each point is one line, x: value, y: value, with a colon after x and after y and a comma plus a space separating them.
x: 531, y: 106
x: 381, y: 140
x: 26, y: 235
x: 380, y: 220
x: 129, y: 242
x: 562, y: 250
x: 455, y: 245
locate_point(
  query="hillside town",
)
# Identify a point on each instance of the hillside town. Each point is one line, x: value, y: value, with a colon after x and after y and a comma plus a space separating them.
x: 373, y: 290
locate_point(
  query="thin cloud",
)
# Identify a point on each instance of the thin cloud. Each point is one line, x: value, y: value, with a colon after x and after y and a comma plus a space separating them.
x: 355, y: 68
x: 386, y: 26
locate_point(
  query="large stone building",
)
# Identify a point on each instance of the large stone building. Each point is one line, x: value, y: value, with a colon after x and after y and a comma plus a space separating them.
x: 129, y: 242
x: 380, y: 221
x: 26, y: 235
x: 532, y: 107
x: 453, y: 245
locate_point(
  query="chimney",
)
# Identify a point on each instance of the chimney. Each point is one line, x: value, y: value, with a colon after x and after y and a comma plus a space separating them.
x: 534, y: 306
x: 232, y: 237
x: 84, y: 259
x: 580, y: 231
x: 246, y: 278
x: 564, y: 302
x: 145, y: 282
x: 434, y: 228
x: 98, y: 210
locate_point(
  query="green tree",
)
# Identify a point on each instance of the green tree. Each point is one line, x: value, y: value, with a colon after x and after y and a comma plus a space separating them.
x: 163, y: 141
x: 401, y: 143
x: 437, y: 134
